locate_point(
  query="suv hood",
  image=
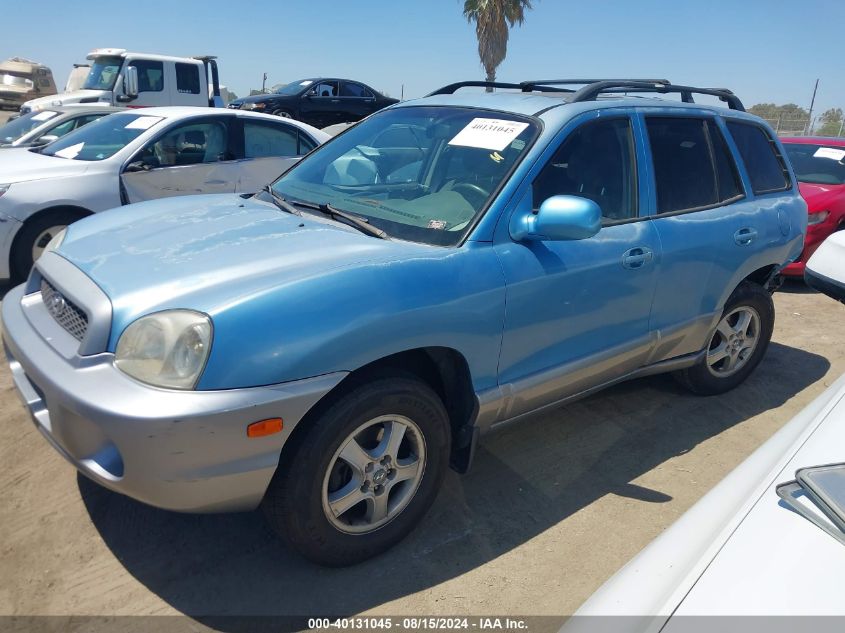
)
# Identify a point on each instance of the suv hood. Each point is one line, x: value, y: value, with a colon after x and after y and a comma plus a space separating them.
x: 77, y: 96
x: 206, y: 252
x: 19, y: 164
x: 820, y: 197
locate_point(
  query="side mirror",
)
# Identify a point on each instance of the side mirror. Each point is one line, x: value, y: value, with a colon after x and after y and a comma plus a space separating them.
x: 44, y: 140
x: 130, y: 85
x: 559, y: 218
x: 138, y: 165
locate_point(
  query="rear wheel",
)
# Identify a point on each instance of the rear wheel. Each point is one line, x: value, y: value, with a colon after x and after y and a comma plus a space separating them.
x: 737, y: 345
x: 365, y: 473
x: 33, y: 237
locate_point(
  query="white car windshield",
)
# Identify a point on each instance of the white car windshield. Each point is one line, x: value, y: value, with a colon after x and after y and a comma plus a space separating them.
x: 13, y: 130
x: 102, y: 138
x: 423, y: 174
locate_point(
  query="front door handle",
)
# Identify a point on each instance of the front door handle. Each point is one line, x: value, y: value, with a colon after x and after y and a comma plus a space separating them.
x: 637, y: 257
x: 745, y: 236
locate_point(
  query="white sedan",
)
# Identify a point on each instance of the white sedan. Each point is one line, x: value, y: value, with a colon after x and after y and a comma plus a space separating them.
x: 133, y: 156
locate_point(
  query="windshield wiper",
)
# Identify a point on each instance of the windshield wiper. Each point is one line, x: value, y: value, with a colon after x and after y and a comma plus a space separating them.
x: 353, y: 220
x: 280, y: 202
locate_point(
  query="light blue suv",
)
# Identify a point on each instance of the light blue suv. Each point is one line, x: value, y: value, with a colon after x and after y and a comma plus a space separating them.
x: 327, y: 347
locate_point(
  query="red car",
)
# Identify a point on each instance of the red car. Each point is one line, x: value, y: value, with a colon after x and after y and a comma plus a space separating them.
x: 819, y: 165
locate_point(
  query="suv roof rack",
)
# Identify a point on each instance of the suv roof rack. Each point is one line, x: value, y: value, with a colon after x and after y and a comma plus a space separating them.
x: 540, y: 85
x: 452, y: 88
x: 591, y: 91
x: 592, y: 88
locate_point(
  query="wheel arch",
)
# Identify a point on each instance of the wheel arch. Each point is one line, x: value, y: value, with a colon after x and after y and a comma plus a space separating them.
x: 74, y: 210
x: 443, y: 369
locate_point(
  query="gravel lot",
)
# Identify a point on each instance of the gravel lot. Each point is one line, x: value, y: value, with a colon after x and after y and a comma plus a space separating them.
x: 4, y: 116
x: 551, y: 509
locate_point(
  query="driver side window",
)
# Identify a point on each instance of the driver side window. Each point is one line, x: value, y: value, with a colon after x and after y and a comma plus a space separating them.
x: 191, y: 144
x: 596, y: 161
x: 324, y: 89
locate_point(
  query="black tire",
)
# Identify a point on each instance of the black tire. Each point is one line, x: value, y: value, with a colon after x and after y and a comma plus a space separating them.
x: 294, y: 502
x: 285, y: 114
x: 21, y: 257
x: 702, y: 378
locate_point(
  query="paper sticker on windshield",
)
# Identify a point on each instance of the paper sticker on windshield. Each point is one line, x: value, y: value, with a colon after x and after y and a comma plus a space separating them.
x: 142, y: 123
x: 493, y: 134
x: 43, y: 116
x: 437, y: 224
x: 307, y: 82
x: 70, y: 152
x: 829, y: 152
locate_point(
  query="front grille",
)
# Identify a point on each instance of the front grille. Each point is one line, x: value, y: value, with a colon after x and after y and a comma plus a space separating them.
x: 66, y: 313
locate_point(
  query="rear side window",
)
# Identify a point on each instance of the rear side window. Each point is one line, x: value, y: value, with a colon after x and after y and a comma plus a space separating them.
x: 187, y: 79
x: 766, y: 167
x: 349, y: 89
x: 263, y: 141
x: 693, y: 167
x: 727, y: 177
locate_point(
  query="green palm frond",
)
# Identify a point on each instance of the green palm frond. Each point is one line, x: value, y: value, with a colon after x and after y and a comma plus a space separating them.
x: 493, y: 21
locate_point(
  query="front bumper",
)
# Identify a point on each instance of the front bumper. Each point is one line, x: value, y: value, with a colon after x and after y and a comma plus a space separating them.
x: 180, y: 450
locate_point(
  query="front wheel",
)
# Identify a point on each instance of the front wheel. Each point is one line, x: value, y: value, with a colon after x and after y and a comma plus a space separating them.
x: 737, y: 345
x: 364, y: 474
x: 33, y: 238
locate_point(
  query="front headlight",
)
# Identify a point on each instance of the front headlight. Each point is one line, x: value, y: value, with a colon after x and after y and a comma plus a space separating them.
x: 817, y: 218
x: 165, y: 349
x: 254, y: 106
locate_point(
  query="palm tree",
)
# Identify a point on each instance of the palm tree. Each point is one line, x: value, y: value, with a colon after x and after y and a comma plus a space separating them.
x: 493, y: 19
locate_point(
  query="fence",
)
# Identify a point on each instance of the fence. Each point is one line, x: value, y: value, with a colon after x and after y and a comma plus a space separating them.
x: 788, y: 125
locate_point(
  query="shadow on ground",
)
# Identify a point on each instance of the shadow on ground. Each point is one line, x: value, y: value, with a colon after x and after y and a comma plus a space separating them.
x: 525, y: 480
x: 796, y: 287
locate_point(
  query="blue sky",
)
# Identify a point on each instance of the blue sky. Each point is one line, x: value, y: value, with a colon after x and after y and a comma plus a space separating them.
x: 765, y: 50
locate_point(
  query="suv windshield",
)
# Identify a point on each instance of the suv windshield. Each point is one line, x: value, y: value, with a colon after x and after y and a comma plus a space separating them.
x: 817, y: 164
x: 103, y: 73
x: 102, y: 138
x: 418, y: 173
x: 13, y: 130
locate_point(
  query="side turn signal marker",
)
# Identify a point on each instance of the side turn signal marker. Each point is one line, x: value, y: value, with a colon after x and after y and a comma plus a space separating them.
x: 265, y: 427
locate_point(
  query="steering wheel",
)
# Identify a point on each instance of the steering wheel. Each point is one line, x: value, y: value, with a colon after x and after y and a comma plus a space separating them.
x: 471, y: 191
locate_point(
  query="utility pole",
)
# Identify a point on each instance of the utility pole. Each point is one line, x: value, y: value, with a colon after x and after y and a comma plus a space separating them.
x: 264, y: 83
x: 812, y: 103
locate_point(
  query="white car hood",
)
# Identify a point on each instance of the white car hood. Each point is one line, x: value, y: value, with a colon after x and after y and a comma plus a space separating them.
x: 66, y: 97
x: 777, y: 562
x: 21, y: 165
x: 739, y: 550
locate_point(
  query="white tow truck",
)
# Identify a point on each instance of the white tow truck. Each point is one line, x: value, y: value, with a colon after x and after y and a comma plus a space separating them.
x: 117, y: 77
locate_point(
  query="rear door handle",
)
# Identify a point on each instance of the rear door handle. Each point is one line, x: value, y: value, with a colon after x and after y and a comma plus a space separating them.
x: 637, y: 257
x: 745, y: 236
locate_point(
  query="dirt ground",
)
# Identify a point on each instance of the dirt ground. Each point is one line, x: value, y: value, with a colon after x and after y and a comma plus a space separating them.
x: 4, y: 115
x: 550, y: 510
